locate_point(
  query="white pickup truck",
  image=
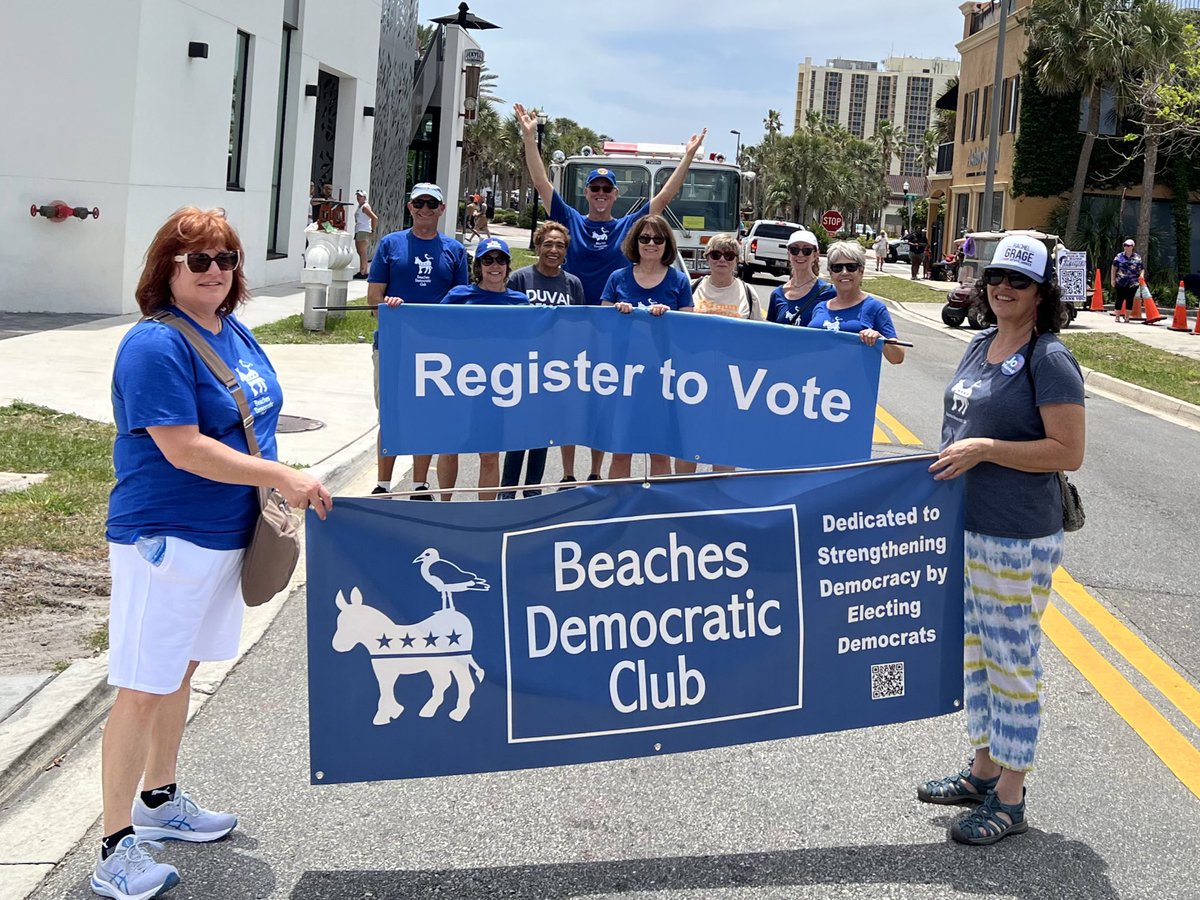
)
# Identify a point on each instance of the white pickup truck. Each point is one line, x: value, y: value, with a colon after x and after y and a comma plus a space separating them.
x: 764, y: 247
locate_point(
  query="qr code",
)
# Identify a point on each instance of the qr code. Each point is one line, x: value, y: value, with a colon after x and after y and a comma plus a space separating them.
x: 887, y: 680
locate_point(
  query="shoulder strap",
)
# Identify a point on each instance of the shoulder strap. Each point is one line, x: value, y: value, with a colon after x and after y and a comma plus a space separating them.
x: 1029, y: 366
x: 217, y: 366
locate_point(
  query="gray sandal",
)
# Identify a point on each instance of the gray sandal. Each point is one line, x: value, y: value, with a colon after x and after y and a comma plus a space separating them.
x: 953, y: 789
x: 981, y: 826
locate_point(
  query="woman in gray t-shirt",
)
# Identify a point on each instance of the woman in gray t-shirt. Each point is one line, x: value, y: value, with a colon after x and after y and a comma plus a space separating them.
x: 1013, y: 418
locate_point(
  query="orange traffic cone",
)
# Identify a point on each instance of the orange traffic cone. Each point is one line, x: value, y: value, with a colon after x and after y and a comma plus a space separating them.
x: 1180, y: 321
x: 1153, y: 316
x: 1137, y: 315
x: 1097, y: 295
x: 1197, y: 329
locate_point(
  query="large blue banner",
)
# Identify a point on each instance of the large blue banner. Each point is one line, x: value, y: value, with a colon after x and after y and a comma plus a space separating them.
x: 615, y: 621
x: 708, y: 388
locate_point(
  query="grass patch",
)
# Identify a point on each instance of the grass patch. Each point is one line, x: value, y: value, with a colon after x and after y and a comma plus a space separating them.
x: 352, y: 328
x: 1137, y: 363
x: 894, y: 288
x: 96, y: 640
x: 66, y: 512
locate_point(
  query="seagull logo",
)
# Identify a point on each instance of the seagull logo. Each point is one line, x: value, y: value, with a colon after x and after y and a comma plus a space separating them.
x: 448, y: 579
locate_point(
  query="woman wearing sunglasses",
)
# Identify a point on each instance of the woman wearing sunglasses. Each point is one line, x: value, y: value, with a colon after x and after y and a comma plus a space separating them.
x: 852, y: 309
x: 1014, y: 418
x: 794, y: 302
x: 721, y: 292
x: 179, y: 519
x: 490, y: 269
x: 651, y: 283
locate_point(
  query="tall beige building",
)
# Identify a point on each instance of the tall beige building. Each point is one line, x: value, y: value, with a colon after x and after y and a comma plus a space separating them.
x: 859, y: 95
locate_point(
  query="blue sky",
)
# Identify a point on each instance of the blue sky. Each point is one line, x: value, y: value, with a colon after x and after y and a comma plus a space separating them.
x: 658, y: 70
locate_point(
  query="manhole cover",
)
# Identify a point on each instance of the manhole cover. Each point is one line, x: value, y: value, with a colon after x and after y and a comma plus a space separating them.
x: 296, y: 424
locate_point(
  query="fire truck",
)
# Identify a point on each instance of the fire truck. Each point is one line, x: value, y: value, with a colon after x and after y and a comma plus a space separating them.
x: 707, y: 204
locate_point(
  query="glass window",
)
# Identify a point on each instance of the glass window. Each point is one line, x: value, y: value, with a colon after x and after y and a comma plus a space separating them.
x: 707, y: 195
x: 237, y: 118
x: 277, y: 237
x: 997, y: 210
x: 633, y: 182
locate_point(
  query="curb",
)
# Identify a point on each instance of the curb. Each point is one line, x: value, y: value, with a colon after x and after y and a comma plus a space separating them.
x: 1132, y: 395
x: 56, y: 717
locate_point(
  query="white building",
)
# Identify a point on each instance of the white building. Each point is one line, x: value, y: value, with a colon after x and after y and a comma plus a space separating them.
x: 859, y: 95
x: 139, y: 107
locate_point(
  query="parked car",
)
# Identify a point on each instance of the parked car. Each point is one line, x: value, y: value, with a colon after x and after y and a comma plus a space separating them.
x: 977, y: 255
x: 898, y: 250
x: 764, y: 247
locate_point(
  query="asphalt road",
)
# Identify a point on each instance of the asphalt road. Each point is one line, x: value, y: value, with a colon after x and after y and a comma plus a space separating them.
x: 826, y: 816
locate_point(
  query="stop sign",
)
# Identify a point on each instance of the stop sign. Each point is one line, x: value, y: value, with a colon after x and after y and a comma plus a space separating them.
x: 832, y: 221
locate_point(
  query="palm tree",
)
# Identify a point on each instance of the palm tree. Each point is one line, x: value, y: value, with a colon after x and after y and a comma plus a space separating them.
x: 927, y: 151
x: 773, y: 123
x: 890, y: 141
x: 1077, y: 45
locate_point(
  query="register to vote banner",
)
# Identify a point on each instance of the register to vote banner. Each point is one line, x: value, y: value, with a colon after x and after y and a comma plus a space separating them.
x: 710, y: 388
x: 618, y: 621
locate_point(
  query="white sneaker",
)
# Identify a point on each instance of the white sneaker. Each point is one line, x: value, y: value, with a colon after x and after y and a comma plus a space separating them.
x: 130, y: 872
x: 181, y: 819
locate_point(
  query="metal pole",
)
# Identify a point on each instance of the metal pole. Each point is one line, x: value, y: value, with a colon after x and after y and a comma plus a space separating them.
x: 989, y: 183
x: 737, y: 161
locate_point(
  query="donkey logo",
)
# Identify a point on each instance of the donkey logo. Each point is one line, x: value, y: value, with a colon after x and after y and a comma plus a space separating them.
x: 439, y: 645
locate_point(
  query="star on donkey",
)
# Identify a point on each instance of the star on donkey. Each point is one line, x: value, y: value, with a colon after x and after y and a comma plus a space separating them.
x: 448, y: 579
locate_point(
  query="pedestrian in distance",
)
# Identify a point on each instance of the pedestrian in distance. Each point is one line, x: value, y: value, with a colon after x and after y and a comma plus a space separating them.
x: 597, y: 238
x: 918, y: 243
x: 417, y: 265
x: 651, y: 283
x: 180, y: 516
x: 1014, y: 418
x: 491, y: 268
x: 881, y: 250
x: 365, y: 221
x: 1127, y: 267
x: 793, y: 302
x: 469, y: 217
x: 545, y: 284
x: 853, y: 309
x: 483, y: 213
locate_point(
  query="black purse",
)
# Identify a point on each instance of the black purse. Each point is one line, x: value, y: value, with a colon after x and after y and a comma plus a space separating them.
x: 1073, y: 516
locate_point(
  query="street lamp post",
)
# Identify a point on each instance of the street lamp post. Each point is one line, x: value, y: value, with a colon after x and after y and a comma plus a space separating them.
x: 541, y: 130
x: 908, y: 205
x: 737, y: 161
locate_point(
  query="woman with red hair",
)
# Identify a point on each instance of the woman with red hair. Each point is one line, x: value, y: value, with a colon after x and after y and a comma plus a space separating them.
x: 179, y: 519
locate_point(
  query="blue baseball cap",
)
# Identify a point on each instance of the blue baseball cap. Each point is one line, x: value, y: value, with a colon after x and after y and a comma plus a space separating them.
x: 492, y: 244
x: 604, y: 173
x: 425, y: 189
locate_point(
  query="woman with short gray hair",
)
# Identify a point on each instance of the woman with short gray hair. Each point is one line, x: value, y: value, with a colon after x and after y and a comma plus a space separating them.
x: 852, y: 309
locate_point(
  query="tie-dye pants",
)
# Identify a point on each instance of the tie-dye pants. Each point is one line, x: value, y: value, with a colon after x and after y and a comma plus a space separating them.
x: 1006, y: 588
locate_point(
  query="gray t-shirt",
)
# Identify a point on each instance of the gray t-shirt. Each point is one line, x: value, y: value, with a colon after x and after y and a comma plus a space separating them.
x: 997, y: 401
x: 564, y: 289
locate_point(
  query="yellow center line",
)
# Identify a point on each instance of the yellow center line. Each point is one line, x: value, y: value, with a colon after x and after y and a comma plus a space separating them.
x: 879, y: 437
x: 903, y: 435
x: 1156, y: 670
x: 1160, y: 735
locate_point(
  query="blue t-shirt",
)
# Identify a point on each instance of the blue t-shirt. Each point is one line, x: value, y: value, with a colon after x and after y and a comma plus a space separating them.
x: 997, y: 401
x: 799, y: 311
x: 594, y: 251
x: 159, y: 380
x: 675, y: 290
x: 870, y: 313
x: 474, y: 295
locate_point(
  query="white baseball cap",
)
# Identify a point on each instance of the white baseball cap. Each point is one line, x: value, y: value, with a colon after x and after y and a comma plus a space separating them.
x: 1018, y: 253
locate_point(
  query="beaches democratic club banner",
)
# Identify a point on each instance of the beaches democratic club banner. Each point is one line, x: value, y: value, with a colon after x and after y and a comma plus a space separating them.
x: 617, y: 621
x: 462, y: 379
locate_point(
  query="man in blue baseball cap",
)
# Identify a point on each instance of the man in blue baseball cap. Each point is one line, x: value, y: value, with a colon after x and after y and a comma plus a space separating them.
x: 417, y: 265
x: 594, y: 251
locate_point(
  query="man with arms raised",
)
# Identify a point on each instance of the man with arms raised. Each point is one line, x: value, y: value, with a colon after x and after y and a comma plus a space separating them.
x: 594, y: 251
x: 418, y: 265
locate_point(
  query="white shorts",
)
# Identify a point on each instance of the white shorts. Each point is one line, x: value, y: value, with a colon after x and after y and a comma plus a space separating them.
x: 188, y: 607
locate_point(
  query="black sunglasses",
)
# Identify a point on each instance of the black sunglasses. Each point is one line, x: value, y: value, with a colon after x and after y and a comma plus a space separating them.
x: 1018, y: 281
x: 844, y: 267
x: 647, y: 238
x: 801, y: 251
x: 600, y: 188
x: 493, y: 259
x: 422, y: 202
x: 226, y: 261
x: 727, y: 255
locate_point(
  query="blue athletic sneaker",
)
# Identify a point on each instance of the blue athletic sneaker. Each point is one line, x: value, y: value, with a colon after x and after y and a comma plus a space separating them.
x: 181, y: 819
x: 130, y: 872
